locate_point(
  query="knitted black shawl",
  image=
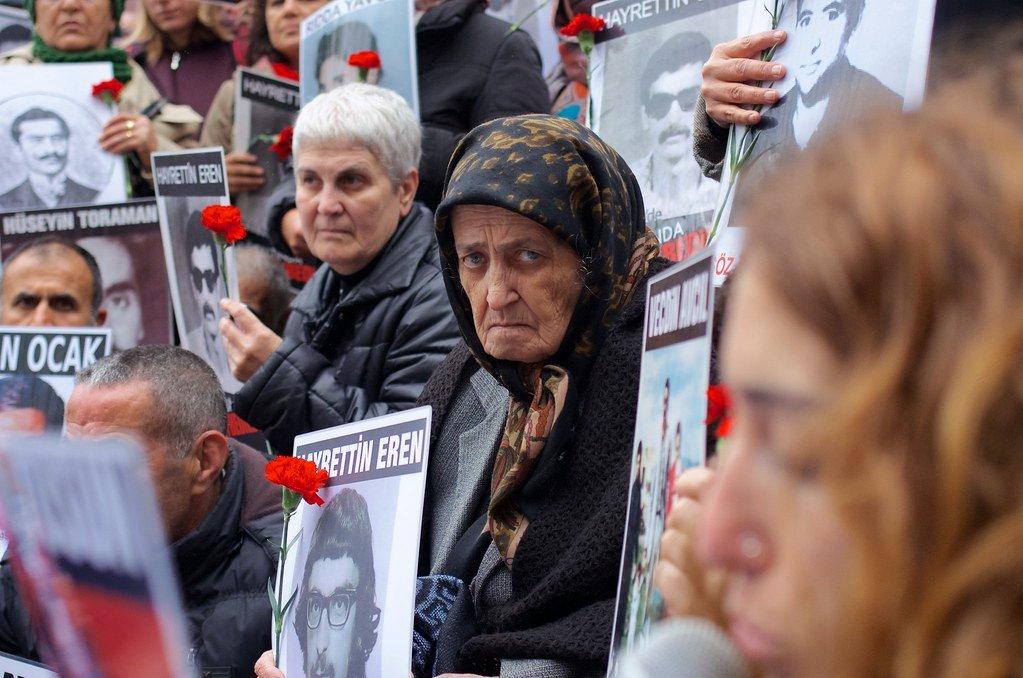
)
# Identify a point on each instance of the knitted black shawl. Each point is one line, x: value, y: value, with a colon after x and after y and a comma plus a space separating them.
x: 565, y: 576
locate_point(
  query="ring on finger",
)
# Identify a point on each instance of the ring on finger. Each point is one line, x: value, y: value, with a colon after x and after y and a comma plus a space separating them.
x: 130, y: 125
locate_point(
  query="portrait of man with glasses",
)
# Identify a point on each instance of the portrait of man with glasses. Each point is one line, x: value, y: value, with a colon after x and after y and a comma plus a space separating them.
x: 670, y: 178
x: 336, y: 616
x: 206, y: 289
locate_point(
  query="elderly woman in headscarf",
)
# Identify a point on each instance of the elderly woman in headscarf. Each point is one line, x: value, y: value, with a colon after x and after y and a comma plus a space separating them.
x: 546, y: 256
x: 82, y: 31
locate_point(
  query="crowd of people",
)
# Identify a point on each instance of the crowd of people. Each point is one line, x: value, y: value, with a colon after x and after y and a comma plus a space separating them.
x: 490, y: 259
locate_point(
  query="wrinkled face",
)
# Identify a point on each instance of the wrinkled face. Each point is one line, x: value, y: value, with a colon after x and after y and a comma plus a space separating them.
x: 74, y: 25
x: 668, y: 112
x: 818, y: 39
x: 522, y: 281
x: 347, y: 204
x: 769, y: 521
x: 43, y: 144
x: 172, y: 16
x: 120, y: 293
x: 283, y: 20
x: 122, y: 411
x: 331, y: 614
x: 208, y: 286
x: 47, y: 291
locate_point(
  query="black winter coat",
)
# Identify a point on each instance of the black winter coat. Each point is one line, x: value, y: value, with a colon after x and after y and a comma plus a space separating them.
x: 223, y: 567
x: 471, y: 70
x: 565, y: 575
x: 351, y: 354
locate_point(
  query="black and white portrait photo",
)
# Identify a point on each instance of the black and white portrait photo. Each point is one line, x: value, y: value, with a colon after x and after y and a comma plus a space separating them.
x: 844, y: 58
x: 125, y: 240
x: 333, y: 50
x: 353, y: 565
x: 649, y: 82
x: 198, y: 283
x: 336, y: 615
x: 49, y: 142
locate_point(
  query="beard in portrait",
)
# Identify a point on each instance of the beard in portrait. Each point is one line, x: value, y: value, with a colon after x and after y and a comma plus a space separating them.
x: 336, y: 617
x: 672, y: 183
x: 43, y: 138
x: 207, y: 288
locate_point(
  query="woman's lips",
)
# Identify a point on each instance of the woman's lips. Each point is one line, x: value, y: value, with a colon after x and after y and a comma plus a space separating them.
x: 754, y: 643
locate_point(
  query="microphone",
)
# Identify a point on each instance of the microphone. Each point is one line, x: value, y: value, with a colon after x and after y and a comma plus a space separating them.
x: 688, y: 647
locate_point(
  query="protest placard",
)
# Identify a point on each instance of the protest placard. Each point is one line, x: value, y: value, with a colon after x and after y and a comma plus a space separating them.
x: 263, y: 107
x: 336, y: 31
x: 88, y: 545
x: 16, y: 667
x: 186, y: 182
x: 49, y: 138
x: 15, y: 28
x: 843, y: 60
x: 670, y: 431
x: 37, y: 372
x: 354, y: 565
x: 125, y: 240
x: 647, y: 70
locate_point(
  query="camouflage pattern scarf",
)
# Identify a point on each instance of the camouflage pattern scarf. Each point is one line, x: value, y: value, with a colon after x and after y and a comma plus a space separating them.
x: 566, y: 179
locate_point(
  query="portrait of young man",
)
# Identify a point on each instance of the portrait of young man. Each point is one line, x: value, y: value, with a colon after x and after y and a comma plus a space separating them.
x: 204, y: 288
x: 668, y: 175
x: 826, y: 85
x: 43, y: 137
x: 336, y: 616
x: 332, y: 54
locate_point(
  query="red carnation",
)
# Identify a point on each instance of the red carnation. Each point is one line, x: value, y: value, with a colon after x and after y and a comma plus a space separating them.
x: 108, y: 90
x: 282, y: 143
x: 225, y: 221
x: 367, y: 59
x: 299, y: 476
x: 719, y: 409
x: 582, y: 22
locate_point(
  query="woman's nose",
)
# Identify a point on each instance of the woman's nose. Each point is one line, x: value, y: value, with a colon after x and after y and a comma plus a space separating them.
x: 731, y: 535
x: 501, y: 291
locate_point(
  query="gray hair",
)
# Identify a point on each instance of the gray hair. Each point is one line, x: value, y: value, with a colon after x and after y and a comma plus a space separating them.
x: 364, y: 115
x: 187, y: 399
x: 255, y: 261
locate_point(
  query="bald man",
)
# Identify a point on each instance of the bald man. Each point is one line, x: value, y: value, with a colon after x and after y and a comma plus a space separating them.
x: 50, y: 282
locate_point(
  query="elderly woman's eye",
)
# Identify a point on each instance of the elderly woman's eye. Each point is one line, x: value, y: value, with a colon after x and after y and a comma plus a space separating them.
x: 472, y: 260
x: 529, y: 256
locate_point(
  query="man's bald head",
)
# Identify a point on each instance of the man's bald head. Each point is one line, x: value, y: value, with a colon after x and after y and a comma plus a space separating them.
x: 51, y: 282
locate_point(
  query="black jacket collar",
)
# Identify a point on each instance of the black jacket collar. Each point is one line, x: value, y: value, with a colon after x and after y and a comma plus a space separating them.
x: 209, y: 545
x: 447, y: 15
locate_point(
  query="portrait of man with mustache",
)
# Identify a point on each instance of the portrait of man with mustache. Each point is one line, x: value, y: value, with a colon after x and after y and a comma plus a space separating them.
x: 43, y: 137
x: 208, y: 289
x: 670, y: 178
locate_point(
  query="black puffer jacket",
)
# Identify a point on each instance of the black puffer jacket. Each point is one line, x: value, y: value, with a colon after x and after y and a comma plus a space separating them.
x: 358, y: 352
x: 471, y: 70
x: 223, y: 567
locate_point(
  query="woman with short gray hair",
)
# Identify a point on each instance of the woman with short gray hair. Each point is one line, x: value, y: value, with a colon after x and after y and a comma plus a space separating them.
x: 374, y: 321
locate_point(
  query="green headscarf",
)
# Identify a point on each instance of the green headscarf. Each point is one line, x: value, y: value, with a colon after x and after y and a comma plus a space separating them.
x: 117, y: 57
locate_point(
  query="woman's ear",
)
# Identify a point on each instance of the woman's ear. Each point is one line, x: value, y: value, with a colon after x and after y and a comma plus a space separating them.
x: 407, y: 191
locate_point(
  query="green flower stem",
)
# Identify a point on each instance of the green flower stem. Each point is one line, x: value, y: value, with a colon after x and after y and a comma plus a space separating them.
x: 741, y: 153
x: 518, y: 24
x: 363, y: 75
x: 223, y: 263
x: 586, y: 43
x: 289, y: 504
